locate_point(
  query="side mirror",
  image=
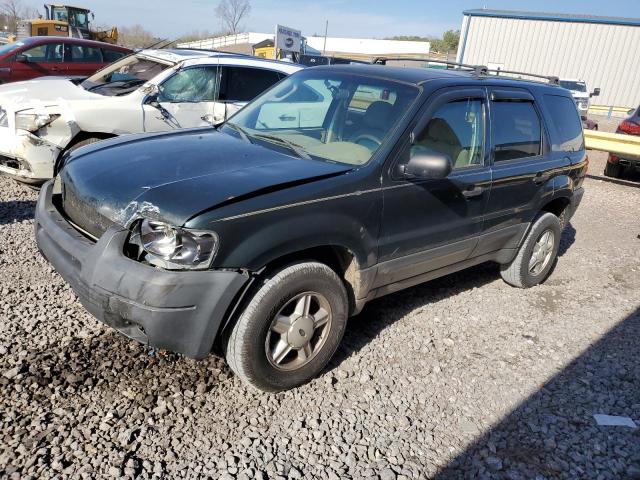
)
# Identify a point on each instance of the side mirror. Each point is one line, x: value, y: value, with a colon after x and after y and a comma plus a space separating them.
x: 22, y: 59
x: 428, y: 165
x: 595, y: 93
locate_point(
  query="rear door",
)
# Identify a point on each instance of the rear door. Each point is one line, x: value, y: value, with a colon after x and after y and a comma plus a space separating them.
x: 239, y: 85
x: 82, y: 60
x: 39, y: 61
x: 522, y: 165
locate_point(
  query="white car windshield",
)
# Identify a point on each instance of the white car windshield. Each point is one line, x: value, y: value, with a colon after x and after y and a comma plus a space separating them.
x: 124, y: 75
x: 573, y: 85
x: 338, y: 117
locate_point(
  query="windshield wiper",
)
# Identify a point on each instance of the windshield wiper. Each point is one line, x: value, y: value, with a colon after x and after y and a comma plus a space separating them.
x: 294, y: 147
x: 117, y: 83
x: 241, y: 131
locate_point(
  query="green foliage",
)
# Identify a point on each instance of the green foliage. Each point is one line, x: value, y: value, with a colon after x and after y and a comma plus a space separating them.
x: 448, y: 42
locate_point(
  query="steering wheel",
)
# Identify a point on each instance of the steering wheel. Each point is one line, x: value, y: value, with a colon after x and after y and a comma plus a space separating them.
x: 366, y: 140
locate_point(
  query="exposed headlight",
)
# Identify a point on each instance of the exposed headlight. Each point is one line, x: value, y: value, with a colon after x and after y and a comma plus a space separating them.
x: 32, y: 122
x: 174, y: 247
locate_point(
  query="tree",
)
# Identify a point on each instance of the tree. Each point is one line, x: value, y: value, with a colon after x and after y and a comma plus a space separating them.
x: 448, y: 43
x: 13, y: 11
x: 135, y: 37
x: 231, y: 13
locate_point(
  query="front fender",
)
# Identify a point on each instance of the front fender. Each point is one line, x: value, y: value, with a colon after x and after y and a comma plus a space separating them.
x: 255, y: 239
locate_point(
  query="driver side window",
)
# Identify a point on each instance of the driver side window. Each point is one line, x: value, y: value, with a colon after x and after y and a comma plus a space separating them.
x: 198, y: 84
x: 456, y: 130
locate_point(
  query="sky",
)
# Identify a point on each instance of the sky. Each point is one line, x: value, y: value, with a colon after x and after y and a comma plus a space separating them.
x: 347, y: 18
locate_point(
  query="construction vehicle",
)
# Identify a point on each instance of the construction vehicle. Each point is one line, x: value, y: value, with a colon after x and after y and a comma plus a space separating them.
x: 66, y: 21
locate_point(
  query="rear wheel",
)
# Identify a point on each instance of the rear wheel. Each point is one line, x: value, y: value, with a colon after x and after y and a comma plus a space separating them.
x: 613, y: 170
x: 536, y: 255
x: 290, y: 329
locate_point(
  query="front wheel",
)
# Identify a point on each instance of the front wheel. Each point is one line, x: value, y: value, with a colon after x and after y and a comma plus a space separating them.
x: 613, y: 170
x: 536, y: 255
x: 290, y: 329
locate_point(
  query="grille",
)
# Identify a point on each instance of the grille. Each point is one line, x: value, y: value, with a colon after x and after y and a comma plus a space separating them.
x: 83, y: 213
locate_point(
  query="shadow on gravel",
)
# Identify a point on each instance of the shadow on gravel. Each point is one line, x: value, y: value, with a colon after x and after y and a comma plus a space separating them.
x: 384, y: 312
x: 553, y: 434
x: 16, y: 211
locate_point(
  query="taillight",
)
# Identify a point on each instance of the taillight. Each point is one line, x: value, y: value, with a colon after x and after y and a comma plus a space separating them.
x: 629, y: 127
x: 613, y: 158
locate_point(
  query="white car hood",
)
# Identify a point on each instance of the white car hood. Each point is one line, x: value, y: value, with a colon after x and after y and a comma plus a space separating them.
x: 40, y: 93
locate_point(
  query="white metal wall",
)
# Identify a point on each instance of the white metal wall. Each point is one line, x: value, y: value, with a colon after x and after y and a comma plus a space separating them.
x: 603, y: 55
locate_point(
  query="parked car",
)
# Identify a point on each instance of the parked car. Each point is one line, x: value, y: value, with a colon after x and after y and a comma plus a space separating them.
x: 267, y: 233
x: 151, y: 91
x: 580, y: 94
x: 58, y: 56
x: 616, y: 165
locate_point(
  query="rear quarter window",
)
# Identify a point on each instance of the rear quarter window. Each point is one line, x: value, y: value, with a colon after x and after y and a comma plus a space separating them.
x: 565, y: 122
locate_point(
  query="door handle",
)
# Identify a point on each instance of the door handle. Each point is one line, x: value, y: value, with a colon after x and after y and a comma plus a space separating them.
x: 472, y: 192
x: 541, y: 177
x: 286, y: 118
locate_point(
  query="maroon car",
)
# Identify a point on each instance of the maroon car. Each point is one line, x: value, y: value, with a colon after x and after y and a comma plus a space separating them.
x: 617, y: 165
x: 61, y: 56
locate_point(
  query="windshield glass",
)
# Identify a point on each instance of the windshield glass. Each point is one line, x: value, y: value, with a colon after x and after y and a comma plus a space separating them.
x: 130, y: 72
x: 573, y: 85
x: 11, y: 47
x: 332, y: 116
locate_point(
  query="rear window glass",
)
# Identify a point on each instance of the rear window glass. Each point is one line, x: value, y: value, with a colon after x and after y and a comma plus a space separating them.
x: 111, y: 55
x: 566, y: 124
x: 516, y: 130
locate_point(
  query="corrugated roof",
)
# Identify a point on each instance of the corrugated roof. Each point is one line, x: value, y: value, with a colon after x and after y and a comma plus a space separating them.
x: 553, y: 17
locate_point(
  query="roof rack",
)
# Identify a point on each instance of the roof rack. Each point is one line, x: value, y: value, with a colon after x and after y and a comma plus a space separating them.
x: 477, y: 70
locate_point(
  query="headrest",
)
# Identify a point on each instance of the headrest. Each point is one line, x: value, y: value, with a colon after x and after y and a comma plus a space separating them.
x: 378, y: 115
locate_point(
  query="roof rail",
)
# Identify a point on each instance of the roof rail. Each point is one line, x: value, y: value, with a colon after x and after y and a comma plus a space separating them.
x: 477, y: 70
x: 553, y: 80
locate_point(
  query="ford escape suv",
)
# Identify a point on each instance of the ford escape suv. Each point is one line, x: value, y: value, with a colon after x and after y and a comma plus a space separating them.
x: 337, y: 186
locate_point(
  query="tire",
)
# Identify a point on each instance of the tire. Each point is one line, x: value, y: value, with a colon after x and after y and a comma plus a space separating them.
x: 253, y: 346
x: 518, y: 272
x: 86, y: 141
x: 613, y: 170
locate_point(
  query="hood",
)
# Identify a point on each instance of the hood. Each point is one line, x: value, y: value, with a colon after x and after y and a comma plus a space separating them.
x: 173, y: 177
x: 32, y: 93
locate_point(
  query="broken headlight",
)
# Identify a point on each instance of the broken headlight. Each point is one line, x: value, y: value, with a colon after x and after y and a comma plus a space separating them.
x: 32, y: 122
x: 174, y: 248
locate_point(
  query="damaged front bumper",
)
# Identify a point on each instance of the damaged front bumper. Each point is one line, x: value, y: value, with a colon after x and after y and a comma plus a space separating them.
x: 180, y: 311
x: 26, y: 157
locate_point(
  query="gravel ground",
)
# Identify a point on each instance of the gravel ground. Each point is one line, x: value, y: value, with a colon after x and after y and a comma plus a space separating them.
x: 458, y: 378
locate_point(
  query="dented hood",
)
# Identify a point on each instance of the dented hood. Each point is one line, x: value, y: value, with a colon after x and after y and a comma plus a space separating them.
x: 20, y: 95
x: 174, y: 176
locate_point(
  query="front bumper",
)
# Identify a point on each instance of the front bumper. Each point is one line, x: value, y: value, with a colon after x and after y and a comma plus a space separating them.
x: 26, y: 157
x: 179, y: 311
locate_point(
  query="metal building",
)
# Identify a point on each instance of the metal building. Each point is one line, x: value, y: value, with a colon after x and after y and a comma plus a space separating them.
x: 602, y: 51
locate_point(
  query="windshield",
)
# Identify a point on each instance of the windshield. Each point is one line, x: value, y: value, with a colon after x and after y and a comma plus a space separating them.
x: 573, y: 85
x: 124, y: 75
x: 11, y: 47
x: 332, y: 116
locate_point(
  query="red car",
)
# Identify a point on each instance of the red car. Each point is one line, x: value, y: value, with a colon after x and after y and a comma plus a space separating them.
x: 60, y: 56
x: 617, y: 165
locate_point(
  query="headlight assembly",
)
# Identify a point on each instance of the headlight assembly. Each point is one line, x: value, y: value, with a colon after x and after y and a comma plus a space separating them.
x: 32, y: 122
x: 174, y: 248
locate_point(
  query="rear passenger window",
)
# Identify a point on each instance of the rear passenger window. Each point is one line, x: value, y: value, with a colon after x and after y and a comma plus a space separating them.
x: 111, y: 56
x: 516, y: 130
x: 84, y: 54
x: 567, y: 126
x: 242, y: 84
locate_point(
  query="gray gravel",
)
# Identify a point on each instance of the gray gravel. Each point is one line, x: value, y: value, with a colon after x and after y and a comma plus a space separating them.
x: 459, y: 378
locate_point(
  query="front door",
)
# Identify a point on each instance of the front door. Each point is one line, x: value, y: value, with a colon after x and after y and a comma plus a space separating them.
x: 429, y: 224
x: 39, y: 61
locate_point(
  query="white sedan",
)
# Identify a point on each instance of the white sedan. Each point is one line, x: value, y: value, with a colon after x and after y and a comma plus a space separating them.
x: 150, y: 91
